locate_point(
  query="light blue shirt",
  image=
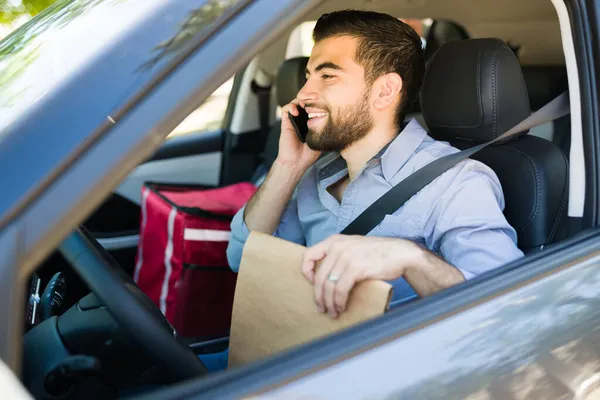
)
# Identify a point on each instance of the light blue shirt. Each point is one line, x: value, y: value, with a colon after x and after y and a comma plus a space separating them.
x: 458, y: 215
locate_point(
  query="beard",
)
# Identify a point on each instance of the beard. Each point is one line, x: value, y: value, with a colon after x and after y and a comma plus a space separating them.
x: 351, y: 123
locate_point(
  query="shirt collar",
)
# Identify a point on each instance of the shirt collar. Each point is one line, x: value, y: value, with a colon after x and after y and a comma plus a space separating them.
x: 401, y: 149
x: 393, y: 156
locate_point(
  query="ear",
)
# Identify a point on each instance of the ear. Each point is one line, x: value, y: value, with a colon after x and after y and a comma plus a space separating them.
x: 386, y: 90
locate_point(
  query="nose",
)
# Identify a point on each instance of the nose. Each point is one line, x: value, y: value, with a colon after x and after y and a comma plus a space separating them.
x: 307, y: 93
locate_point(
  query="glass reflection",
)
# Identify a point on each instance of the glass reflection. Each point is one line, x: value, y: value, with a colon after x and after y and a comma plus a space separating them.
x: 541, y: 344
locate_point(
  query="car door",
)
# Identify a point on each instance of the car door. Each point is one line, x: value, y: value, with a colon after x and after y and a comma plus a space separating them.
x: 192, y: 152
x: 528, y: 330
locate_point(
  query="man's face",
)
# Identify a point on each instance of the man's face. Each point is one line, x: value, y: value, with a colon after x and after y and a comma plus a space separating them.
x: 335, y: 96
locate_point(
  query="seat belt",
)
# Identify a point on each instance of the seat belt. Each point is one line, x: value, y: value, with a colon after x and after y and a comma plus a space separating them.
x: 394, y: 198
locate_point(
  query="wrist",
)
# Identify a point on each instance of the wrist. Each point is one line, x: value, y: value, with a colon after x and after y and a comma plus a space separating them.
x: 294, y: 171
x: 410, y: 255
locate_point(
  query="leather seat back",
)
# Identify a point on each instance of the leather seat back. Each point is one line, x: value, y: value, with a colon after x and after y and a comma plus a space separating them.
x: 472, y: 92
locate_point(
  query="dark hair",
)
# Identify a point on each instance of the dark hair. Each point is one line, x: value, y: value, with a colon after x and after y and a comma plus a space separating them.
x: 385, y: 44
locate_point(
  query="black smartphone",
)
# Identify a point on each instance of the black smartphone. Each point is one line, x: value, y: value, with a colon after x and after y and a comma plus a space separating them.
x: 300, y: 123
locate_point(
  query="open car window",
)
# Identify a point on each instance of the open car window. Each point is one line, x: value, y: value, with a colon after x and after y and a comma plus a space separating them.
x: 209, y: 116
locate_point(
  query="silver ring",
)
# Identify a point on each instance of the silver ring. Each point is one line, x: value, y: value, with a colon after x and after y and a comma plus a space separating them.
x: 333, y: 278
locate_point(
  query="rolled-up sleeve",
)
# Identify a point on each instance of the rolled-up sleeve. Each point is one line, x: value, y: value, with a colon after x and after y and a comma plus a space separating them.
x: 468, y: 228
x: 289, y: 229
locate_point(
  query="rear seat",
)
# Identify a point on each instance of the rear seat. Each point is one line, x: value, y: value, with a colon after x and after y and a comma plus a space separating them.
x: 544, y: 83
x: 290, y: 79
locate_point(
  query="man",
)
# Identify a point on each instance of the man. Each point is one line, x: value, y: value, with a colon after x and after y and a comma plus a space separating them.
x: 364, y: 73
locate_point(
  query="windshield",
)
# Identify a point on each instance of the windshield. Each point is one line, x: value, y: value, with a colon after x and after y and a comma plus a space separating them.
x: 69, y: 36
x: 42, y: 54
x: 67, y: 72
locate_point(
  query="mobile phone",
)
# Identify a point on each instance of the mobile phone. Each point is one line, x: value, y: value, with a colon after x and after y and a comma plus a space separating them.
x: 300, y: 123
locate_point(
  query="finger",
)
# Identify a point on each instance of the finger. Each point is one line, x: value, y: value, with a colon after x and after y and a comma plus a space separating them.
x: 320, y: 250
x: 343, y: 288
x: 309, y: 261
x: 321, y: 277
x: 313, y: 254
x: 290, y: 107
x: 338, y: 270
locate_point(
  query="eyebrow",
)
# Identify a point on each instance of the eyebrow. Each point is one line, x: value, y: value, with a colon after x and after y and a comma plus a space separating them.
x: 327, y: 64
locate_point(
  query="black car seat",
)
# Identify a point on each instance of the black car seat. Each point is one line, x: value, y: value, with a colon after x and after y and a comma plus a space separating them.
x: 290, y: 79
x: 474, y: 90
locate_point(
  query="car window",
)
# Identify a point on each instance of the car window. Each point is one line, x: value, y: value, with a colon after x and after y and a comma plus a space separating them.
x: 209, y: 116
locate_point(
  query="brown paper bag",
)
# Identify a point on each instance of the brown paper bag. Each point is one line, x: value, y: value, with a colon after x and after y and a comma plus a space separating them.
x: 274, y: 310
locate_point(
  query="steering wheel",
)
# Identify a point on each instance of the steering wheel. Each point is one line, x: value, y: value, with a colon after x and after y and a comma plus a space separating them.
x: 130, y: 307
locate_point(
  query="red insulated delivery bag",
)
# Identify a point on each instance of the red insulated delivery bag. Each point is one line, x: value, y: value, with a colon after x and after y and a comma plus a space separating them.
x: 181, y: 262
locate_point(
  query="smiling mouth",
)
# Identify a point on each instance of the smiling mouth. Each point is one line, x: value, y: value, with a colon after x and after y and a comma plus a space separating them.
x: 313, y: 117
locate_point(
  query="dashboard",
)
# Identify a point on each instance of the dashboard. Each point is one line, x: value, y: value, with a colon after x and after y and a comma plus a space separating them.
x: 51, y: 290
x: 72, y: 345
x: 51, y: 301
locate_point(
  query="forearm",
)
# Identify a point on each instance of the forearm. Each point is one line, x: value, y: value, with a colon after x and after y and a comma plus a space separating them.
x: 265, y: 209
x: 428, y: 273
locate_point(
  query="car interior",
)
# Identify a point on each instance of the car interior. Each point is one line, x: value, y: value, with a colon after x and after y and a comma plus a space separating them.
x: 233, y: 137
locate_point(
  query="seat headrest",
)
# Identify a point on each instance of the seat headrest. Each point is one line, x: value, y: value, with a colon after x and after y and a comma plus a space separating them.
x: 290, y: 79
x: 473, y: 89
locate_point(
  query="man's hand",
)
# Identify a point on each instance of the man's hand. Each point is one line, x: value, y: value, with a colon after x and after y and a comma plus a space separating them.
x: 264, y: 210
x: 338, y: 263
x: 346, y: 260
x: 292, y: 152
